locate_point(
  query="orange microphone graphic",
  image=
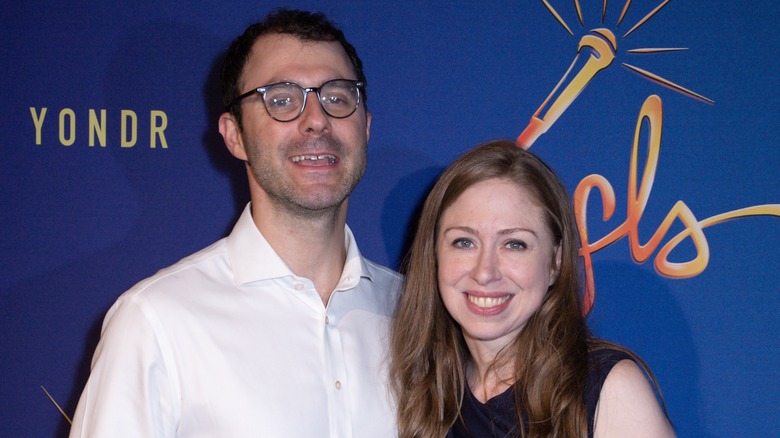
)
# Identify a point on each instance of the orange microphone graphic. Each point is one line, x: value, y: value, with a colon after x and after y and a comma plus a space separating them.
x: 600, y: 45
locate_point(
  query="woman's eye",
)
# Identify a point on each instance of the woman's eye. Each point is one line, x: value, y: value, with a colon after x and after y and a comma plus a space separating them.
x: 516, y: 244
x: 462, y: 243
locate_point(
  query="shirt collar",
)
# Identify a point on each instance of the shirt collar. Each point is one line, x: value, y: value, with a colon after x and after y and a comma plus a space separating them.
x: 252, y: 259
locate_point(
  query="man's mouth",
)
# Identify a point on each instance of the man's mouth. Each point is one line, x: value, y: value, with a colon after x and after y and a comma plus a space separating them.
x: 314, y: 160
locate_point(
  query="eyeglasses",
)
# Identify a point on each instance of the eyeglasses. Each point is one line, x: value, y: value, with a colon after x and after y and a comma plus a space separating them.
x: 285, y: 101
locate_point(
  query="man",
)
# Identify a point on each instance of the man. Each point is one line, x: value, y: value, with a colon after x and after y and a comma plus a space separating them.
x: 280, y: 329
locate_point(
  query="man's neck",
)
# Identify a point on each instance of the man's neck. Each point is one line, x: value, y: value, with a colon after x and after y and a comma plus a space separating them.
x: 312, y: 245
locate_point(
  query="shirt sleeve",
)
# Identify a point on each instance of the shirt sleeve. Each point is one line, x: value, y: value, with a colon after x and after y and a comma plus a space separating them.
x: 130, y: 391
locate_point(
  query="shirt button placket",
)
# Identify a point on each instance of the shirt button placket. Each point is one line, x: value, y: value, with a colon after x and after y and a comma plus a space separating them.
x: 335, y: 356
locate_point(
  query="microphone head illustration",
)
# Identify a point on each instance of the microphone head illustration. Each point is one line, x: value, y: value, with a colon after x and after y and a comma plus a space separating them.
x: 599, y: 46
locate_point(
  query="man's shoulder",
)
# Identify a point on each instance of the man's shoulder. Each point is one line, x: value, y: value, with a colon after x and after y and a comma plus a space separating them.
x: 205, y: 264
x: 382, y: 273
x: 385, y: 281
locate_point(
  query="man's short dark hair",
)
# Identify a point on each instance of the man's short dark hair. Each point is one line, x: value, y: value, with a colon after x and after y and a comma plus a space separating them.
x: 304, y: 25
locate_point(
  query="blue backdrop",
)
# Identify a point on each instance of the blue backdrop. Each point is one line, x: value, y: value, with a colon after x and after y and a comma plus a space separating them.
x: 113, y: 168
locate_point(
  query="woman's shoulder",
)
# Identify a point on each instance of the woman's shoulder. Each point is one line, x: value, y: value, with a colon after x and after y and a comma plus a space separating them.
x: 626, y: 403
x: 602, y: 358
x: 628, y: 406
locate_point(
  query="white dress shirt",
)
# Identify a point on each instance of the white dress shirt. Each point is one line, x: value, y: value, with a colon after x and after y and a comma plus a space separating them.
x: 230, y: 343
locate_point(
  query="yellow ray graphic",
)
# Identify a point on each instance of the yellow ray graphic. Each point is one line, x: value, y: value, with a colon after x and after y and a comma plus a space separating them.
x: 603, y: 11
x: 623, y: 13
x: 557, y: 16
x: 58, y: 406
x: 656, y: 50
x: 666, y: 83
x: 595, y: 52
x: 647, y: 17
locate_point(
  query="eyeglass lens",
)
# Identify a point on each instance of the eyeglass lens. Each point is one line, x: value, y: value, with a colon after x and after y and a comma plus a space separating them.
x: 284, y: 102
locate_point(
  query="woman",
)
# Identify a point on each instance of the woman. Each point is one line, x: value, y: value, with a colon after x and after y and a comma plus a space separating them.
x: 489, y: 339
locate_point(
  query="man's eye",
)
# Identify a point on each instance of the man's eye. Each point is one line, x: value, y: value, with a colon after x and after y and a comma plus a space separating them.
x: 280, y: 102
x: 334, y: 99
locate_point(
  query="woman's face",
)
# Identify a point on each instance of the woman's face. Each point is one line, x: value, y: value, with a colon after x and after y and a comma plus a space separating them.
x: 496, y: 260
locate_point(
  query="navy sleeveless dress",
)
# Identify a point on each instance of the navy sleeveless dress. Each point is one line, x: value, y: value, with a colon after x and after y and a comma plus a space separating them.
x: 498, y: 418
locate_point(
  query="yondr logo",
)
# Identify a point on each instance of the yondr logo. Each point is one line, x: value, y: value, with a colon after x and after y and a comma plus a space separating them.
x: 95, y: 125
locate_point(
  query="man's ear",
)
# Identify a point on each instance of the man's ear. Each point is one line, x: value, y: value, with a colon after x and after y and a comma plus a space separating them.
x: 231, y: 133
x: 368, y: 125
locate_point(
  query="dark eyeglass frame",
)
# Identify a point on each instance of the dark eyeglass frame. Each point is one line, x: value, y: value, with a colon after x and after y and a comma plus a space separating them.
x: 359, y: 86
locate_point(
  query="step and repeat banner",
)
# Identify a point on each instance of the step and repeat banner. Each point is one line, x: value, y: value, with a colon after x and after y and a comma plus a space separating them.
x: 660, y: 116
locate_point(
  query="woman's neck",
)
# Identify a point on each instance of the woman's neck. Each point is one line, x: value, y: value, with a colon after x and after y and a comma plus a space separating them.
x: 489, y: 378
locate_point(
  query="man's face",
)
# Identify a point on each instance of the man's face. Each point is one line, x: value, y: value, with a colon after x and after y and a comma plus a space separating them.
x: 313, y: 162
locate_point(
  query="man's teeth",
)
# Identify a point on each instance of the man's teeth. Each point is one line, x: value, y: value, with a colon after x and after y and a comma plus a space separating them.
x: 331, y: 159
x: 486, y: 302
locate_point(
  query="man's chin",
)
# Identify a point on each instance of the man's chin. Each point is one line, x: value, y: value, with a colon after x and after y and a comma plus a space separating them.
x: 314, y: 205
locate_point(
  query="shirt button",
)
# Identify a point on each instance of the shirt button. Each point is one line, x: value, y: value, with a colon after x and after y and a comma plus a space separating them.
x: 299, y: 286
x: 338, y: 384
x: 327, y: 320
